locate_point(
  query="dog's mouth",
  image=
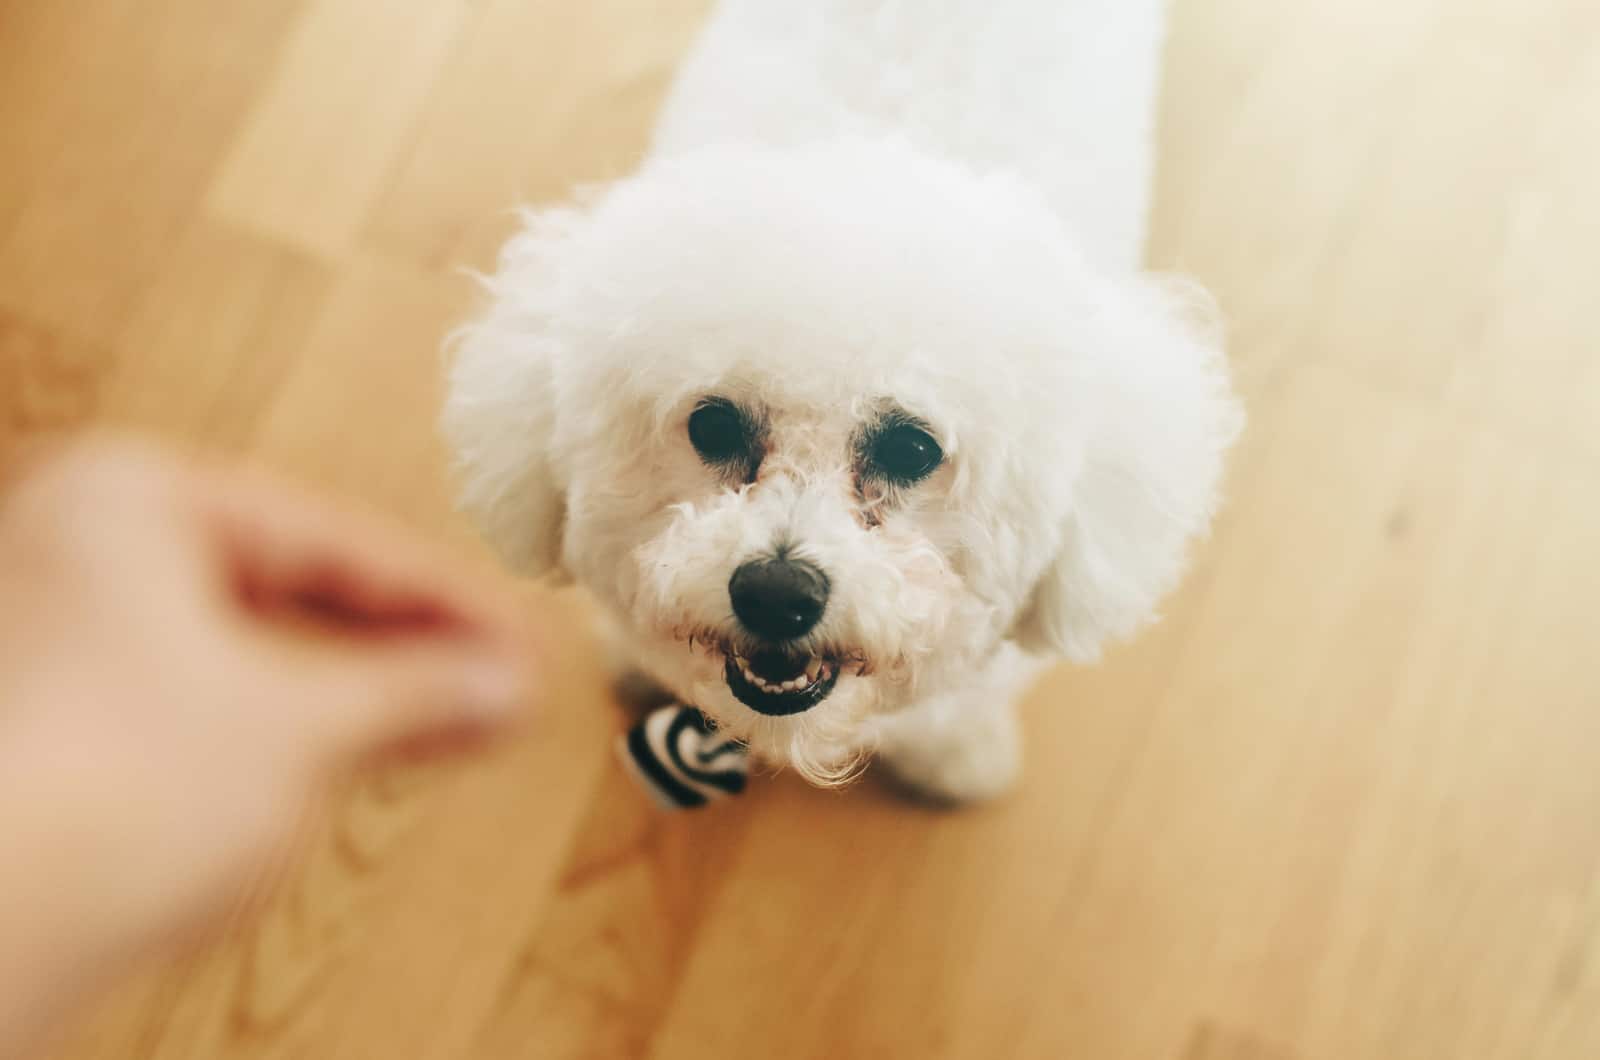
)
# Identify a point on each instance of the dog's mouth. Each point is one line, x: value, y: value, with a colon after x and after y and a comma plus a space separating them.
x: 775, y: 682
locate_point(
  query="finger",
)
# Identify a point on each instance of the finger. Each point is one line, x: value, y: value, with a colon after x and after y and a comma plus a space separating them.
x: 289, y: 552
x: 53, y: 466
x: 21, y: 458
x: 412, y: 697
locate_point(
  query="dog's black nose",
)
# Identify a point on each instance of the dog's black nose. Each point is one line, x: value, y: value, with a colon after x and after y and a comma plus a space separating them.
x: 778, y: 599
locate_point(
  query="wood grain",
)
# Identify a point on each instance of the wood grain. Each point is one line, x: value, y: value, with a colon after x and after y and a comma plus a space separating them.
x: 1344, y: 803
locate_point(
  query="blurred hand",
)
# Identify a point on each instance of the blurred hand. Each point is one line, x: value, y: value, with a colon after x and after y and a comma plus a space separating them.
x: 185, y: 655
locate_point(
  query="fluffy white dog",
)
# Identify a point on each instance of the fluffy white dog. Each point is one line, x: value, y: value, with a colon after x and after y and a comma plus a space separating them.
x: 850, y: 405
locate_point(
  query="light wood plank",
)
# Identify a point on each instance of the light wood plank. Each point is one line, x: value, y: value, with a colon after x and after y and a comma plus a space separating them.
x: 543, y: 97
x: 335, y: 115
x: 220, y: 325
x: 113, y: 114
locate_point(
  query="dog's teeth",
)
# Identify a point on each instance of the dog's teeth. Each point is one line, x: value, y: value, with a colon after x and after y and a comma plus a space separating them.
x: 813, y: 668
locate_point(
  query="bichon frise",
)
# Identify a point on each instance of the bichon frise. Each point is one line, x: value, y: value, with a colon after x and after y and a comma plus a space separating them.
x: 851, y: 405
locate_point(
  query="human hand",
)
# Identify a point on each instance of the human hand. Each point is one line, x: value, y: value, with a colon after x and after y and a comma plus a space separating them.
x: 186, y: 654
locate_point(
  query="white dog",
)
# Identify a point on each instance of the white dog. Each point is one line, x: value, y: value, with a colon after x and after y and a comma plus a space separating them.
x: 850, y: 404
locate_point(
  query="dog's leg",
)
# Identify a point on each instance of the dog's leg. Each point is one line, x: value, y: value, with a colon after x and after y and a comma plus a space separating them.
x: 973, y: 759
x: 963, y: 746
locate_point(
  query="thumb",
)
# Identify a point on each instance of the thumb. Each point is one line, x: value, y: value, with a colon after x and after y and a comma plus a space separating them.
x: 420, y: 697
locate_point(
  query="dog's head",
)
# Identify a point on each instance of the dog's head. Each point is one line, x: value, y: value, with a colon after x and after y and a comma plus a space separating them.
x: 823, y: 427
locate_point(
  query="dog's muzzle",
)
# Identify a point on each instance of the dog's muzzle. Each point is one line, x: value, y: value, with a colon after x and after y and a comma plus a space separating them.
x: 778, y: 601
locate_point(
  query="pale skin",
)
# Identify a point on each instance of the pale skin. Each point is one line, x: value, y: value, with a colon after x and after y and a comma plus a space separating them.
x: 188, y: 656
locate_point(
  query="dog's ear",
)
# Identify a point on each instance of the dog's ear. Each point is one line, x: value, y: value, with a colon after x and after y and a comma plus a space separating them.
x: 1149, y: 481
x: 501, y: 410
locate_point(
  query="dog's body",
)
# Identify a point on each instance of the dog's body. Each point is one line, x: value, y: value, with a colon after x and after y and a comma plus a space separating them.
x: 1058, y: 92
x: 850, y: 405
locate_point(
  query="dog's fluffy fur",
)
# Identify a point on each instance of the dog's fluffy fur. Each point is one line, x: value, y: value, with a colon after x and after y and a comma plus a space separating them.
x: 934, y: 207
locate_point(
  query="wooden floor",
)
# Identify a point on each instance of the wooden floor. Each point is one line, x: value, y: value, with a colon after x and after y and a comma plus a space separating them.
x: 1343, y: 804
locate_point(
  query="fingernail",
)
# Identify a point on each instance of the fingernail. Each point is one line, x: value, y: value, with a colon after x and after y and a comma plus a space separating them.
x: 492, y: 690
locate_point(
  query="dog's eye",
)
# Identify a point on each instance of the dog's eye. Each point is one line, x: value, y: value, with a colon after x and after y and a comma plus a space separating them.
x: 904, y: 453
x: 719, y: 432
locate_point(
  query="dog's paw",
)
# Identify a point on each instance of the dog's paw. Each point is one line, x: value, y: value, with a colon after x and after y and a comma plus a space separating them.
x: 974, y: 763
